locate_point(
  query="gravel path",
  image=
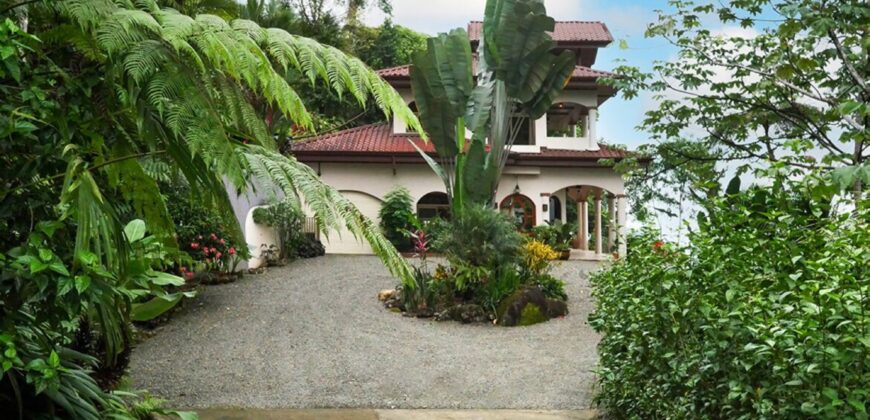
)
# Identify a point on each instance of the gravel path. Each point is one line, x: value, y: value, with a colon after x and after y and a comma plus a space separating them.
x: 313, y: 334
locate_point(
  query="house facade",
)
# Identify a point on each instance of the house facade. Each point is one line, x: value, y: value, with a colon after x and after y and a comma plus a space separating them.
x: 554, y: 163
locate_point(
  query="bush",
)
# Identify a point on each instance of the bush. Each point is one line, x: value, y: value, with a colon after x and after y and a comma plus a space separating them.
x: 480, y: 237
x: 287, y: 219
x: 762, y: 315
x: 397, y: 214
x: 310, y: 247
x: 552, y: 287
x: 535, y: 258
x: 557, y: 235
x: 197, y: 227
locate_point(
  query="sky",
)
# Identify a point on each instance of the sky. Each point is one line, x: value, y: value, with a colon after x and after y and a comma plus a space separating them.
x: 626, y: 19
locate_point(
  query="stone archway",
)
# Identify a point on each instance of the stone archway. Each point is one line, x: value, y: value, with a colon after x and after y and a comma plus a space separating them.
x: 521, y: 209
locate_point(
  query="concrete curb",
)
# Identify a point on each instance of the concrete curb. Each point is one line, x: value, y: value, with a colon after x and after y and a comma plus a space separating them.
x: 375, y: 414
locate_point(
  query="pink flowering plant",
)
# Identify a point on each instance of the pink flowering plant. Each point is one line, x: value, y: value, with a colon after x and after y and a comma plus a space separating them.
x: 213, y: 253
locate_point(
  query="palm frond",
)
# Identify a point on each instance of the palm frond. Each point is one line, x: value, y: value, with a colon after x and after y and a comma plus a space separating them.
x: 330, y: 208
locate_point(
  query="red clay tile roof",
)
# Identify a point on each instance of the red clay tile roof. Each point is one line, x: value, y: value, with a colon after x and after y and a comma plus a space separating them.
x: 372, y: 138
x: 378, y: 139
x: 572, y: 31
x: 580, y: 72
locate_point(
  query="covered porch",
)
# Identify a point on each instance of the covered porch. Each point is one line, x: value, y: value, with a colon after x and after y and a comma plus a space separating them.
x: 598, y: 215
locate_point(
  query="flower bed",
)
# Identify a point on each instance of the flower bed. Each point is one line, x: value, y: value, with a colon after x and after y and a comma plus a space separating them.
x: 493, y: 274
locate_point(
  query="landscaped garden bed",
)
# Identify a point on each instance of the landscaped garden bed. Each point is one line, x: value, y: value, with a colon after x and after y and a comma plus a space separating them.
x: 489, y: 273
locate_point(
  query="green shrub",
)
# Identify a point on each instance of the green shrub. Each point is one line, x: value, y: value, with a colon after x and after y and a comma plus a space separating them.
x: 200, y: 232
x: 287, y: 219
x: 480, y: 237
x: 397, y: 214
x: 551, y: 286
x: 557, y: 235
x: 491, y: 293
x: 762, y: 315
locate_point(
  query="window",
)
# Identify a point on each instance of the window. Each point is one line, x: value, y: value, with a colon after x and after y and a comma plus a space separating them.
x: 432, y: 205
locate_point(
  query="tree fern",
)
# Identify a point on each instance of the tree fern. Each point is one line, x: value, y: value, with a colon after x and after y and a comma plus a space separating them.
x: 331, y: 209
x: 184, y: 85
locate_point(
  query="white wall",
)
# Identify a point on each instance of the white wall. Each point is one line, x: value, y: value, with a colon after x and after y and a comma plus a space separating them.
x: 587, y: 98
x: 367, y: 184
x: 256, y: 236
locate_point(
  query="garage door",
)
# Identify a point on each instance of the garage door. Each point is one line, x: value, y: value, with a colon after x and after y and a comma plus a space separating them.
x: 343, y: 242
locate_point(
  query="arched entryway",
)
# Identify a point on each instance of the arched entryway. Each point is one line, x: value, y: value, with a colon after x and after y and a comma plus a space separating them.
x: 433, y: 205
x: 521, y: 209
x: 598, y: 215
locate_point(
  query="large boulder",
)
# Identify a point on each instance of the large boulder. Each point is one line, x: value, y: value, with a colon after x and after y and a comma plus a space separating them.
x: 528, y: 306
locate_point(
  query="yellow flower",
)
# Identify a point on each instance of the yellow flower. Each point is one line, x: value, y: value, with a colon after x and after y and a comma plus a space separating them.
x: 537, y: 256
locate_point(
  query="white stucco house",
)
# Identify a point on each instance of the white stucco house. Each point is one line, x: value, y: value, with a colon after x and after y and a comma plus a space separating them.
x: 556, y: 162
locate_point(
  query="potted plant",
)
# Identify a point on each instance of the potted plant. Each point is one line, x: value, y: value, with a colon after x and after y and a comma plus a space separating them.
x: 556, y: 235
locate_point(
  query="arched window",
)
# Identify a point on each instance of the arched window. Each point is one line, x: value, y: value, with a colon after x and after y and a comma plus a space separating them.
x: 521, y: 209
x: 432, y: 205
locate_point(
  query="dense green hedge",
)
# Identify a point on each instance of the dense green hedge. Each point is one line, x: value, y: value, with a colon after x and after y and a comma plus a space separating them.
x: 763, y: 315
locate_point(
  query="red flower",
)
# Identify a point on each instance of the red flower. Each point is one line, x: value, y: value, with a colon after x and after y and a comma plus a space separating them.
x: 194, y: 245
x: 205, y: 250
x: 213, y: 250
x: 232, y: 251
x: 213, y: 236
x: 218, y: 256
x: 658, y: 245
x: 183, y: 269
x: 223, y: 242
x: 188, y: 275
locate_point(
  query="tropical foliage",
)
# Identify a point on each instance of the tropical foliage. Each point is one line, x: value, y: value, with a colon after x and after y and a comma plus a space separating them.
x: 288, y: 221
x: 97, y: 95
x: 784, y: 84
x: 556, y: 235
x: 764, y: 314
x: 397, y: 217
x: 488, y: 261
x: 518, y: 77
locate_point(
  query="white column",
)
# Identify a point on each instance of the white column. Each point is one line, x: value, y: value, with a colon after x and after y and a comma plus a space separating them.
x: 541, y: 131
x: 611, y: 227
x: 621, y: 221
x: 598, y: 222
x: 582, y: 225
x: 591, y: 130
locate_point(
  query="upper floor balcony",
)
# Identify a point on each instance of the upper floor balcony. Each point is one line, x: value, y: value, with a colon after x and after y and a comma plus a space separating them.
x: 570, y: 124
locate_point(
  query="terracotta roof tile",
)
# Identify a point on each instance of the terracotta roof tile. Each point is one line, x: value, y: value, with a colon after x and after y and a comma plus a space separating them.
x: 566, y: 31
x: 379, y: 139
x: 372, y: 138
x: 580, y: 72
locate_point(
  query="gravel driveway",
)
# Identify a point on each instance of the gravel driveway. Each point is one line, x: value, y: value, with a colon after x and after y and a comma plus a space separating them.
x: 313, y: 335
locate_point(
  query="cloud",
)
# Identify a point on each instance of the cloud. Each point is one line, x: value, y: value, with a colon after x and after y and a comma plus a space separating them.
x: 433, y: 16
